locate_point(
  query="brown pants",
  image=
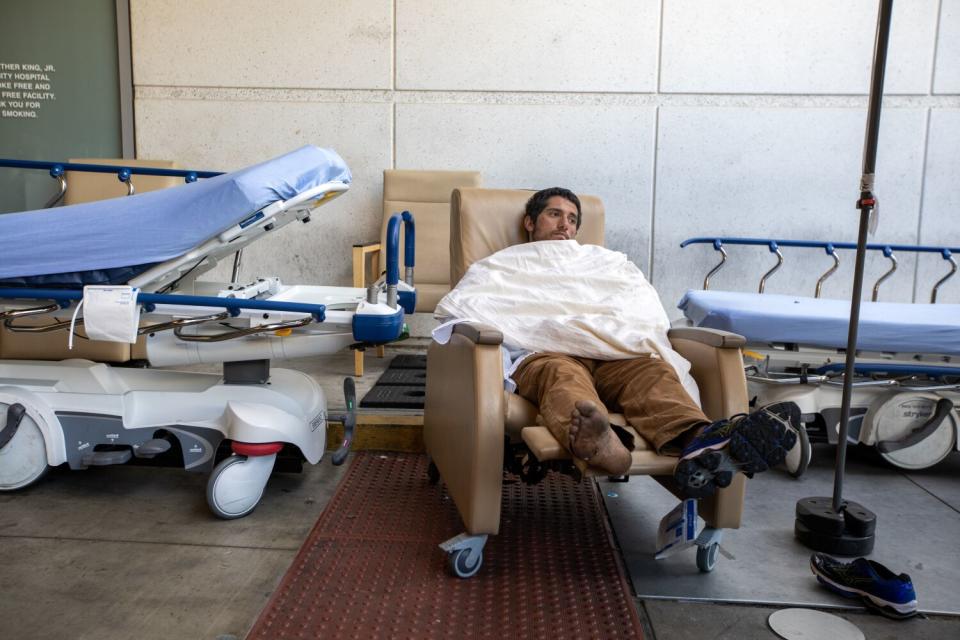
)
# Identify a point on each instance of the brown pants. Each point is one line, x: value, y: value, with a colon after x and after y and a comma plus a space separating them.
x: 645, y: 389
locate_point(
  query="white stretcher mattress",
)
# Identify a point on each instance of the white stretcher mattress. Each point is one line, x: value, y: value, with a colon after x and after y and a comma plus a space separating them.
x: 770, y: 318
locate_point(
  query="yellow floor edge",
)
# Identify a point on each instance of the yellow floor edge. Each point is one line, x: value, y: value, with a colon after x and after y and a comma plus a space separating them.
x: 381, y: 432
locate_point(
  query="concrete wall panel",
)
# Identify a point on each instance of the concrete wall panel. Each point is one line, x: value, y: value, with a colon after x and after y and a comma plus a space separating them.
x: 760, y: 132
x: 563, y: 45
x: 604, y: 151
x: 946, y: 75
x: 222, y: 135
x: 941, y: 205
x: 345, y: 44
x: 819, y: 46
x: 780, y: 173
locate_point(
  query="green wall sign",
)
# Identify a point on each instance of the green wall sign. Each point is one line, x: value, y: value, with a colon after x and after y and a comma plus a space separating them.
x: 59, y: 90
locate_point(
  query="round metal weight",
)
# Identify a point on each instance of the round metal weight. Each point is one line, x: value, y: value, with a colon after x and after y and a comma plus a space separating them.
x: 810, y: 624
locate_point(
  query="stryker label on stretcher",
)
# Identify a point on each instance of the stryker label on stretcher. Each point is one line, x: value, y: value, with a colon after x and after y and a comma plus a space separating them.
x: 111, y: 313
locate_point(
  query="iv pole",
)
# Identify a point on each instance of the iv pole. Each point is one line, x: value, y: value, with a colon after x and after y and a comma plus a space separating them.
x: 839, y: 526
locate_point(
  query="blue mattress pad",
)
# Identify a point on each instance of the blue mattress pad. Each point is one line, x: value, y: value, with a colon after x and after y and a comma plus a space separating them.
x: 819, y: 322
x: 149, y: 228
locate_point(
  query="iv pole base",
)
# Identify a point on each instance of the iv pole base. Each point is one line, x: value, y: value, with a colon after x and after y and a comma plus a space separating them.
x: 848, y: 532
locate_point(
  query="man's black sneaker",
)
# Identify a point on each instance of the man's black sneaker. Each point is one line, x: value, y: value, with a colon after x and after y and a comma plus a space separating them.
x: 749, y: 443
x: 879, y: 588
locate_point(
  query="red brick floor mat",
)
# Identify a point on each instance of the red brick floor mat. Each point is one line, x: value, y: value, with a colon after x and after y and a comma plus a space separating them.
x: 371, y: 567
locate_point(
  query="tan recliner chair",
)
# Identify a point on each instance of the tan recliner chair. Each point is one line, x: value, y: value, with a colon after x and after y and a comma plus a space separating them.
x: 82, y: 187
x: 473, y: 429
x: 425, y: 194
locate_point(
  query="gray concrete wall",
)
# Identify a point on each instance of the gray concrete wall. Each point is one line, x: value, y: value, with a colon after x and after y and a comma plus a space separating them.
x: 732, y: 117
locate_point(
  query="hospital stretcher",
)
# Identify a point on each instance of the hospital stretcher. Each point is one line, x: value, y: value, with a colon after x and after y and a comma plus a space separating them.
x: 233, y: 425
x: 907, y: 382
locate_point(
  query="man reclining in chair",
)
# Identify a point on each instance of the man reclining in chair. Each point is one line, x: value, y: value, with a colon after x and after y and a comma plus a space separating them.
x: 573, y: 391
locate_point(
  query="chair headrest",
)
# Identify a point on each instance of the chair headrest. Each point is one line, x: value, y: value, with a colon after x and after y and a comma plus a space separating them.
x: 484, y: 221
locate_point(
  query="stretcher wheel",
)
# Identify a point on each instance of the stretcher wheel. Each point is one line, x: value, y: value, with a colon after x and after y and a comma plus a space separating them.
x: 23, y: 460
x: 464, y: 563
x: 707, y: 557
x: 236, y: 485
x: 899, y: 416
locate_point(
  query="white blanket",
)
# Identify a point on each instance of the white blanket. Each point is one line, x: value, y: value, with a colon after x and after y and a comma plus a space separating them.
x: 563, y: 297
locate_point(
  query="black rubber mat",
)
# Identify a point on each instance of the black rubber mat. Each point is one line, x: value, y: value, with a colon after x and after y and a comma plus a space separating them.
x: 394, y: 397
x: 409, y: 361
x: 404, y: 377
x: 401, y: 386
x: 371, y: 567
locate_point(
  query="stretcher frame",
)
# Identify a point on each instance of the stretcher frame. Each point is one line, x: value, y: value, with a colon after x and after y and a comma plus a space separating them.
x: 233, y: 424
x: 904, y: 404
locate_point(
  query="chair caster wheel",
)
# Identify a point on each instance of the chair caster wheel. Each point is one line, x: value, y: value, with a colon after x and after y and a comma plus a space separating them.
x: 707, y: 557
x: 465, y: 563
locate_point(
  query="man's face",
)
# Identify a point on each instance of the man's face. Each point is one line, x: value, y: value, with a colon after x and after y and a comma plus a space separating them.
x: 557, y: 221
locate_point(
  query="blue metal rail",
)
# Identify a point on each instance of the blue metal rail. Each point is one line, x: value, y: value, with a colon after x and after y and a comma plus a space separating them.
x: 56, y: 169
x: 773, y: 245
x: 65, y: 297
x: 124, y: 173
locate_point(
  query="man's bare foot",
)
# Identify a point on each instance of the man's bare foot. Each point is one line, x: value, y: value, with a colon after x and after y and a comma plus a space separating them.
x: 593, y: 441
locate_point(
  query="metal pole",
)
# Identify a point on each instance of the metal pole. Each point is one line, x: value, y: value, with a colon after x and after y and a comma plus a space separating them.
x: 867, y: 204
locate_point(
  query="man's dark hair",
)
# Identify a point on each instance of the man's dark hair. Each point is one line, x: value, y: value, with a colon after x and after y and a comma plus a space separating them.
x: 538, y: 202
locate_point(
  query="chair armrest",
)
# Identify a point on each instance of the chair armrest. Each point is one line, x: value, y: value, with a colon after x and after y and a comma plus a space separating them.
x: 716, y: 363
x: 710, y: 337
x: 463, y: 422
x: 478, y: 333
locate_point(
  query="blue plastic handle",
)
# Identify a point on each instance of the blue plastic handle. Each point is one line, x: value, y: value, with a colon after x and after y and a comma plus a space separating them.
x: 393, y: 249
x: 408, y: 240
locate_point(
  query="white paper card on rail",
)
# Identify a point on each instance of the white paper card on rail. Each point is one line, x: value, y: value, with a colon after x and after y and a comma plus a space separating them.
x: 111, y: 313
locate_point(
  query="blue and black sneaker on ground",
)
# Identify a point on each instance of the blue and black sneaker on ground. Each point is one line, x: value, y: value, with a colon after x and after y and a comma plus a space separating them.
x: 749, y: 443
x: 881, y: 589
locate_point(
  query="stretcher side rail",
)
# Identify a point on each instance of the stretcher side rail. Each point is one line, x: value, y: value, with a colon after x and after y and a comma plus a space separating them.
x: 153, y: 302
x: 62, y: 325
x: 124, y: 173
x: 57, y: 168
x: 773, y: 245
